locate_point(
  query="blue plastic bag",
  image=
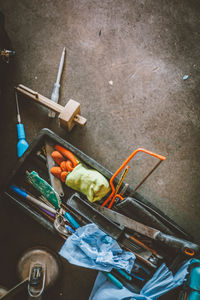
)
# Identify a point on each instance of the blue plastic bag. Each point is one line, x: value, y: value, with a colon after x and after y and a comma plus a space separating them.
x: 90, y: 247
x: 162, y: 281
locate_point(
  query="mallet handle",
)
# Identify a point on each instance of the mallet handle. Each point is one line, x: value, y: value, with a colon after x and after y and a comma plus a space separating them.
x: 39, y: 98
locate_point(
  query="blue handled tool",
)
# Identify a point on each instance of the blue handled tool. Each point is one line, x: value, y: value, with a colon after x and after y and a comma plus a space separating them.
x: 25, y: 195
x: 22, y: 144
x: 122, y: 273
x: 71, y: 220
x: 113, y: 279
x: 42, y: 205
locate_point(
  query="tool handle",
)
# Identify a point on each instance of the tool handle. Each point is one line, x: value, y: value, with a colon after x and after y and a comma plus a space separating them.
x: 19, y: 191
x: 69, y: 228
x: 188, y: 248
x: 54, y: 98
x: 123, y: 273
x: 40, y: 99
x: 44, y: 188
x: 22, y: 144
x: 55, y: 93
x: 113, y: 279
x: 71, y: 220
x: 25, y: 195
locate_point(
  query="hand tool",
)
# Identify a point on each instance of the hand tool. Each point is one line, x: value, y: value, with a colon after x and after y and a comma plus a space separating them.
x: 138, y: 210
x: 47, y: 212
x: 22, y: 144
x: 71, y: 220
x: 124, y: 189
x: 145, y: 254
x: 121, y: 179
x: 133, y: 208
x: 69, y: 115
x: 55, y: 93
x: 55, y: 182
x: 113, y: 195
x: 78, y: 217
x: 87, y: 211
x: 59, y: 225
x: 92, y: 215
x: 44, y: 188
x: 123, y: 273
x: 49, y: 193
x: 129, y: 284
x: 113, y: 279
x: 140, y: 271
x: 188, y: 248
x: 137, y: 277
x: 25, y: 195
x: 41, y: 156
x: 43, y: 199
x: 59, y: 216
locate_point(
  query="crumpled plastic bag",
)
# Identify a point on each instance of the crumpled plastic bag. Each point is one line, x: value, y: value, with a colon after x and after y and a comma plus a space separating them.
x: 161, y: 282
x: 90, y: 247
x: 89, y: 182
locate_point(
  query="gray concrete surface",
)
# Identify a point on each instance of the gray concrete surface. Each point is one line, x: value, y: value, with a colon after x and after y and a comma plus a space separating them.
x: 125, y: 65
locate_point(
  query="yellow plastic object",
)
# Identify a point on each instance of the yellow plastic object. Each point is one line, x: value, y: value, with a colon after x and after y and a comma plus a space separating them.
x: 89, y: 182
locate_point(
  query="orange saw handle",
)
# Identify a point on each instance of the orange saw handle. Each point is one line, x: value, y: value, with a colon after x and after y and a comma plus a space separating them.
x: 113, y: 196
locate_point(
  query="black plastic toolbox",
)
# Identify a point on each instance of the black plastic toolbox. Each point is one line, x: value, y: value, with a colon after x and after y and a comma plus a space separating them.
x: 30, y: 161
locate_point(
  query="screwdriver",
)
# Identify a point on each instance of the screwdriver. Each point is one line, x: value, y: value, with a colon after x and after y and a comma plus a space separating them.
x: 56, y: 88
x: 22, y: 144
x: 27, y: 196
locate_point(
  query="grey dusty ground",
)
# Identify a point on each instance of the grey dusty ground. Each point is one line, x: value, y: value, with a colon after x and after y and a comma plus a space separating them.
x: 125, y: 64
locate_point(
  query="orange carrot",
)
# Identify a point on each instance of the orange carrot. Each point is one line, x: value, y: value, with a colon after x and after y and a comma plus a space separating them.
x: 67, y: 154
x: 63, y: 176
x: 57, y: 157
x: 63, y: 166
x: 69, y: 165
x: 56, y: 171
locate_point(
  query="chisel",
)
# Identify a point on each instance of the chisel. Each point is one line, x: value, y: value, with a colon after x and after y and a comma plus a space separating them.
x: 22, y: 144
x: 56, y: 88
x: 188, y: 248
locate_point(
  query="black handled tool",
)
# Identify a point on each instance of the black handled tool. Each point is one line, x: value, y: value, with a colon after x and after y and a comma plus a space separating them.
x: 188, y: 248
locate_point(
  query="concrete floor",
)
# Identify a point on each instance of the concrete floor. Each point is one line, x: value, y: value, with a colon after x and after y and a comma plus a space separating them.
x: 125, y: 65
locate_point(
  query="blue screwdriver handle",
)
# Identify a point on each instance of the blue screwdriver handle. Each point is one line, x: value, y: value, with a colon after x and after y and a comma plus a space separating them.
x: 71, y: 220
x: 19, y: 191
x: 121, y: 272
x: 22, y: 144
x: 113, y: 279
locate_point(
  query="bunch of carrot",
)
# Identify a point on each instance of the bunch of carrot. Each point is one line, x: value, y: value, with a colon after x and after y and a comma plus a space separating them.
x: 65, y: 160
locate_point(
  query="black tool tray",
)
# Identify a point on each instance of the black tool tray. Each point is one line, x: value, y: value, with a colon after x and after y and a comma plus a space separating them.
x: 30, y: 161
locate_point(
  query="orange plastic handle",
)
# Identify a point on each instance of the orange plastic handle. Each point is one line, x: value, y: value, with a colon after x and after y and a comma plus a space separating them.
x: 119, y: 170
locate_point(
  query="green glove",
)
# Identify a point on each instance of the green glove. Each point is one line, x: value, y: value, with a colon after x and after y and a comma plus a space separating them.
x: 89, y: 182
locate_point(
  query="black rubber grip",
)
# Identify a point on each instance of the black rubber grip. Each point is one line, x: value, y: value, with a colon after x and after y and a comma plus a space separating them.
x: 186, y: 247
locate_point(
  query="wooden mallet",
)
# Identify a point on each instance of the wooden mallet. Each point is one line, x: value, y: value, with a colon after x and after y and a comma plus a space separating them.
x: 68, y: 114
